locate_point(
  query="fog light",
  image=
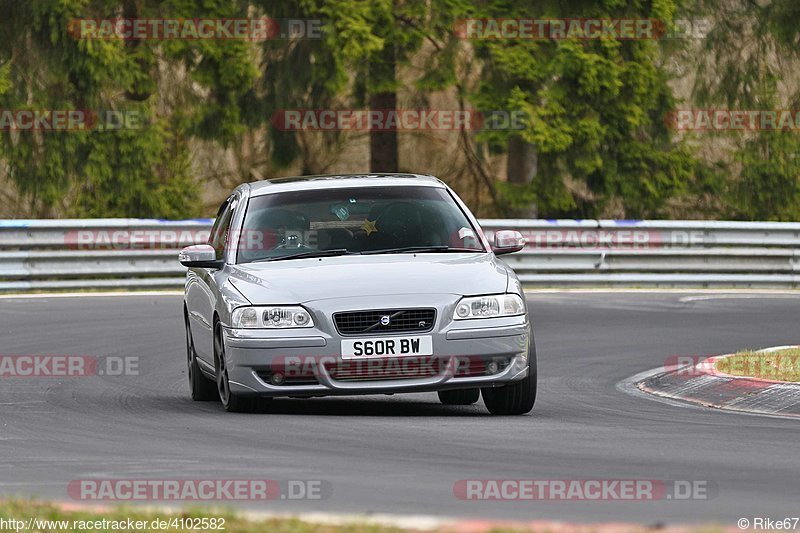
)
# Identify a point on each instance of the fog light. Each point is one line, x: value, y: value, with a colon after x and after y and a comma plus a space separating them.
x: 277, y: 378
x: 492, y: 367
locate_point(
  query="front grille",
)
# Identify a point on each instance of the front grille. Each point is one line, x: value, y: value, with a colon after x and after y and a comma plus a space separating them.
x: 390, y: 368
x: 400, y: 321
x: 380, y: 369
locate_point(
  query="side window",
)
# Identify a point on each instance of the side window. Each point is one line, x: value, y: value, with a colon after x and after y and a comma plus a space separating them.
x: 222, y: 225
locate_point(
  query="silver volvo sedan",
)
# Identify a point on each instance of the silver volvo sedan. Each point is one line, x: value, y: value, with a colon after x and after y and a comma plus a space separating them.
x: 356, y: 284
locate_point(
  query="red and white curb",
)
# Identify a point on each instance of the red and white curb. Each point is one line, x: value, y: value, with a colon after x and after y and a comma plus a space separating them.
x: 702, y: 384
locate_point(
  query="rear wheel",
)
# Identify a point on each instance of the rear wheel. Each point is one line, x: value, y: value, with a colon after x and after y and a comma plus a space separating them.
x: 232, y: 402
x: 459, y: 397
x: 518, y: 397
x: 201, y: 388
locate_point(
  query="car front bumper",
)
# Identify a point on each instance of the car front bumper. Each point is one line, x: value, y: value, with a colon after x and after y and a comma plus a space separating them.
x: 311, y: 364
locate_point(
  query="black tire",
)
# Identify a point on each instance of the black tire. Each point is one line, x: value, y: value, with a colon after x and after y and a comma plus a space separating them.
x: 518, y: 397
x: 459, y: 397
x: 201, y: 388
x: 232, y: 402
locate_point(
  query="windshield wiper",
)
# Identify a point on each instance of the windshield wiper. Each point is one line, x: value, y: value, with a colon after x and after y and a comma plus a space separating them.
x: 308, y: 254
x: 421, y: 249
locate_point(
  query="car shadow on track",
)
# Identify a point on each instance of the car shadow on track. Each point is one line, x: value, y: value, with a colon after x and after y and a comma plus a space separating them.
x: 366, y: 407
x: 350, y: 407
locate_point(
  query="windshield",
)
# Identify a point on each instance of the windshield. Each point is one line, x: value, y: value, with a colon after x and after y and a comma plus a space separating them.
x: 354, y: 220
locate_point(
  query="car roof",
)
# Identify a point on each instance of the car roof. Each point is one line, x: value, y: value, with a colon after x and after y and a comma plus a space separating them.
x: 339, y: 181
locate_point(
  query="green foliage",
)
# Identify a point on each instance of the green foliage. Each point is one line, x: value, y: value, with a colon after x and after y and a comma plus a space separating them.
x: 593, y: 109
x: 164, y: 185
x: 769, y: 185
x: 310, y: 73
x: 593, y: 112
x: 748, y: 73
x: 117, y: 172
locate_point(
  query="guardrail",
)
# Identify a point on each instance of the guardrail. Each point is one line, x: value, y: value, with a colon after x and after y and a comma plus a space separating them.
x: 135, y: 253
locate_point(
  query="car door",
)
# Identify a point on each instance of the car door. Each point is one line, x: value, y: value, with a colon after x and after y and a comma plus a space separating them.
x: 202, y: 291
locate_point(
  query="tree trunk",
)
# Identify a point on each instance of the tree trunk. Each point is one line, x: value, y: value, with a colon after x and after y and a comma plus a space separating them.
x: 138, y: 92
x: 383, y: 143
x: 521, y: 169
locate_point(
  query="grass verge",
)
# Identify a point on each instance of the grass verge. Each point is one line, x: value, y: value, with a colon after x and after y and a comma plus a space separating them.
x: 33, y: 516
x: 780, y: 365
x: 44, y: 517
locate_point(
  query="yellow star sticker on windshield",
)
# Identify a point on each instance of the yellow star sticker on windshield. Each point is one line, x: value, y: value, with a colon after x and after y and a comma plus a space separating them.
x: 369, y: 227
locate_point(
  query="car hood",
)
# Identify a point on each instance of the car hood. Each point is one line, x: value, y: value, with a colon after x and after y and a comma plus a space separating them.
x: 304, y: 280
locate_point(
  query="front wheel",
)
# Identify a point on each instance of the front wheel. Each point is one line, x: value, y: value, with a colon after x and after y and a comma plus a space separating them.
x: 232, y: 402
x: 201, y: 388
x: 516, y: 398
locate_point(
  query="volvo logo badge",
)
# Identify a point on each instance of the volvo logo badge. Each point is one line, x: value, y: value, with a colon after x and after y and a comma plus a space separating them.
x: 386, y: 320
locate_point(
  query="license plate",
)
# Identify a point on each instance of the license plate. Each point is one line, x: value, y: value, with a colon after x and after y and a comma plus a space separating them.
x: 387, y: 347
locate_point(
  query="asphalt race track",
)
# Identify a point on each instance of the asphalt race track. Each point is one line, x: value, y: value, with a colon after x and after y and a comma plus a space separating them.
x: 403, y: 454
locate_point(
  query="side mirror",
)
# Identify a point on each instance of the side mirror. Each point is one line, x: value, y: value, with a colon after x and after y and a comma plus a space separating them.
x: 200, y: 256
x: 507, y: 242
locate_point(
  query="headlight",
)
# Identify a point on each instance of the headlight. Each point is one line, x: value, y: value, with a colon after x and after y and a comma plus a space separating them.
x: 271, y: 317
x: 495, y: 305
